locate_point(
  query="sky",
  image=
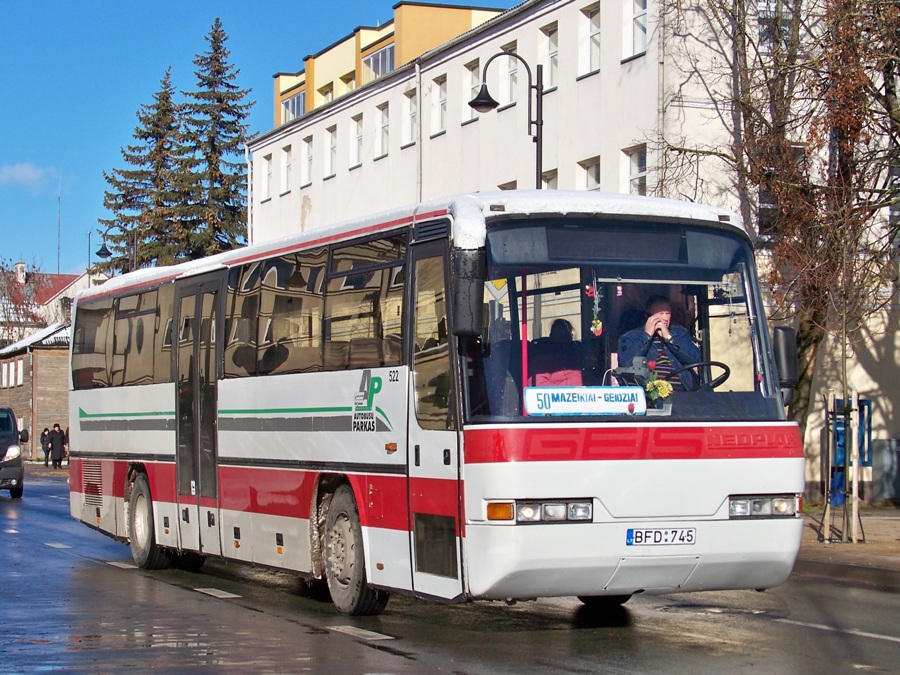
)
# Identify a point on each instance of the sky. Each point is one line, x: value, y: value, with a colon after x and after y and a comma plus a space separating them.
x: 74, y: 74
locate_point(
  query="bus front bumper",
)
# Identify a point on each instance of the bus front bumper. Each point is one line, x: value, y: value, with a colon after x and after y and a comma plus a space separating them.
x: 575, y: 559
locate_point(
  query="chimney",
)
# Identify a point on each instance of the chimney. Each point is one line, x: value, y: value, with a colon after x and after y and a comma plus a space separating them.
x: 21, y: 276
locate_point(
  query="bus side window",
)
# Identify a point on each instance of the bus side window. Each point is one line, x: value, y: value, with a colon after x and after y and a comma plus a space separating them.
x: 242, y: 312
x: 92, y: 340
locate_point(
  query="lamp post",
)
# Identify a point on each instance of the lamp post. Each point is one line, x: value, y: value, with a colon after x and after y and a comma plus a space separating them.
x: 484, y: 103
x: 104, y: 253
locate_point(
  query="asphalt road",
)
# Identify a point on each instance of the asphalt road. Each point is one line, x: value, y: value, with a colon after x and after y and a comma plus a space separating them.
x: 73, y: 601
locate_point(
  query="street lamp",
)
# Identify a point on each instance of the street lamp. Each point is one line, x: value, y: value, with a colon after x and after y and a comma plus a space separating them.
x: 484, y: 103
x: 103, y: 252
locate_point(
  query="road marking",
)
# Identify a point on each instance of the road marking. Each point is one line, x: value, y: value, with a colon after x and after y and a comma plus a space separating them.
x: 122, y: 565
x: 360, y: 633
x: 11, y: 531
x: 216, y: 593
x: 846, y: 631
x: 55, y: 545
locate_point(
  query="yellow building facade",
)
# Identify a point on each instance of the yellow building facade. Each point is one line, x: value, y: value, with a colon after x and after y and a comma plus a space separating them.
x: 370, y: 52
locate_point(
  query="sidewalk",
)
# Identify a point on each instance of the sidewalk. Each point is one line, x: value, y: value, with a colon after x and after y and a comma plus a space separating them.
x: 874, y: 563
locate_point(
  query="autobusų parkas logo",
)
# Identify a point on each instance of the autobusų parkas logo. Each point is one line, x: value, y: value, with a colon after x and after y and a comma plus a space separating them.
x: 364, y: 402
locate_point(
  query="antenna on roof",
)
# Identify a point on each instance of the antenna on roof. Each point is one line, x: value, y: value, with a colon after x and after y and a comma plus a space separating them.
x: 58, y: 230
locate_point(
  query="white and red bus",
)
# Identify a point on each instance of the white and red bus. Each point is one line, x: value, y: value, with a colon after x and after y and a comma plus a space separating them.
x: 385, y: 406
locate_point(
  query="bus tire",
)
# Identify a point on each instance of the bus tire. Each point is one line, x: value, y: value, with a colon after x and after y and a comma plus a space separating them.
x: 345, y: 566
x: 603, y: 602
x: 188, y: 561
x: 147, y: 555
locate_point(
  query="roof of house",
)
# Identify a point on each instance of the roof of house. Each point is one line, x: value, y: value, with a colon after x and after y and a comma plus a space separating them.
x: 55, y: 335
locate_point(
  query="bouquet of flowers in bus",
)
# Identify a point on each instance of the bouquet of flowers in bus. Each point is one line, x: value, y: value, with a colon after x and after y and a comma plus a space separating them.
x: 657, y: 389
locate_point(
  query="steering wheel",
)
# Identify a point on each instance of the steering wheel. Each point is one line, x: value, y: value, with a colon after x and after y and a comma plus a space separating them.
x: 715, y: 382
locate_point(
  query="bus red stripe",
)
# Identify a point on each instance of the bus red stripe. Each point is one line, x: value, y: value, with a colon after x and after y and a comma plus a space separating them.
x: 524, y: 444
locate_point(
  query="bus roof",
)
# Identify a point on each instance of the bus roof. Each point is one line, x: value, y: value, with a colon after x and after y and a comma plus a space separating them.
x: 469, y: 214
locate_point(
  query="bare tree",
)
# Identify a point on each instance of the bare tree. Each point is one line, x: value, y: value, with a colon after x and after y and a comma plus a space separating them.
x: 20, y: 291
x: 805, y: 94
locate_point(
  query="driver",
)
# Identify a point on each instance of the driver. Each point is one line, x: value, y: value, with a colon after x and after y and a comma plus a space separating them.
x: 659, y: 340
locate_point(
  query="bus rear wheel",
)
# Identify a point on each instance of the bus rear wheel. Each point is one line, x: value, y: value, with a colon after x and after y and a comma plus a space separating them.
x: 345, y: 567
x: 147, y: 555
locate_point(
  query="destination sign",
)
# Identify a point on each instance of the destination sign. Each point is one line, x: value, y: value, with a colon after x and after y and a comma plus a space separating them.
x: 585, y: 401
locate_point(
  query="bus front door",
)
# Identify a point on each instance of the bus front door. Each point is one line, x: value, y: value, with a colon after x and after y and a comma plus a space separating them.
x: 197, y: 325
x: 433, y: 449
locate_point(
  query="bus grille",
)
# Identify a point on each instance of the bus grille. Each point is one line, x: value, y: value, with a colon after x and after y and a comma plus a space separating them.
x: 91, y: 479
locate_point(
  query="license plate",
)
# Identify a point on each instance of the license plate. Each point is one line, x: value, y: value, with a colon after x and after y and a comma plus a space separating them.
x: 661, y: 537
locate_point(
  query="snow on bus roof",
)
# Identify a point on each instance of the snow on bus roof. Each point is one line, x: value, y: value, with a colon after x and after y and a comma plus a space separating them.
x: 468, y: 211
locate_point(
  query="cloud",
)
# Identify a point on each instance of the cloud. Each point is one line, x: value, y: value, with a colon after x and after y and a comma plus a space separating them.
x: 33, y: 178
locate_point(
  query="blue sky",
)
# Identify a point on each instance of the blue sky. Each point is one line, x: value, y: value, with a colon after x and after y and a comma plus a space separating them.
x: 74, y: 74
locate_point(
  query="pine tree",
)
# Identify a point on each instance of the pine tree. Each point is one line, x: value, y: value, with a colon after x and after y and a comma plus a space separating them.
x: 145, y: 197
x: 215, y: 129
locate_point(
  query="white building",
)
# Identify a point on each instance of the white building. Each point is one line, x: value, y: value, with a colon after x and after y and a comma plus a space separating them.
x: 411, y: 135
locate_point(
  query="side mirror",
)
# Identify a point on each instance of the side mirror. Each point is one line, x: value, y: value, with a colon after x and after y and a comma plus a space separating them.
x: 785, y: 342
x: 469, y: 272
x: 23, y: 436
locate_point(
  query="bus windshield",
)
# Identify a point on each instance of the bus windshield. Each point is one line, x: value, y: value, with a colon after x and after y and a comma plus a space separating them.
x: 618, y: 319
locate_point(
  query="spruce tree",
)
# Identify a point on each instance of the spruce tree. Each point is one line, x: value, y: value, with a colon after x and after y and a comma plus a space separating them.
x: 144, y: 197
x: 214, y: 129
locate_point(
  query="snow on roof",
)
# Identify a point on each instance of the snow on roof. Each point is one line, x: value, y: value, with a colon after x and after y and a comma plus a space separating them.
x: 55, y: 335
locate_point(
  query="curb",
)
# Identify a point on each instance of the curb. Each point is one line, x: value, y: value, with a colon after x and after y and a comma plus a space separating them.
x: 847, y: 574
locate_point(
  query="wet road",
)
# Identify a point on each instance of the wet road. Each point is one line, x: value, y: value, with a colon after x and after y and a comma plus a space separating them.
x: 73, y: 601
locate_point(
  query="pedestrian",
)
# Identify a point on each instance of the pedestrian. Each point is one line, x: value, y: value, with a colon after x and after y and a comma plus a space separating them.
x: 57, y: 446
x: 45, y: 445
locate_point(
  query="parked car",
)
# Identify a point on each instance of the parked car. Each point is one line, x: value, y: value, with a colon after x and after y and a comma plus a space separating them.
x: 12, y: 470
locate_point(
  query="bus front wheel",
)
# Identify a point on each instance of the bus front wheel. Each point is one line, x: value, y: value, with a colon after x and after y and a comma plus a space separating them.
x: 345, y: 567
x: 147, y: 555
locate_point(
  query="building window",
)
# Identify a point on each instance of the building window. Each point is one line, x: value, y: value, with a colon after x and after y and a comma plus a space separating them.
x: 327, y: 93
x: 590, y: 53
x: 331, y: 156
x: 293, y: 107
x: 551, y: 57
x: 349, y: 81
x: 267, y: 178
x: 638, y: 27
x: 439, y: 109
x: 287, y: 160
x: 590, y: 173
x: 637, y: 170
x: 511, y: 77
x: 306, y: 167
x: 473, y: 80
x: 411, y: 115
x: 20, y: 379
x: 550, y: 180
x: 774, y: 23
x: 356, y: 147
x: 384, y: 127
x: 379, y: 63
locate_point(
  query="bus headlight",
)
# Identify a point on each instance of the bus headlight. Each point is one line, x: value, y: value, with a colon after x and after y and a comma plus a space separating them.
x: 12, y: 452
x: 555, y: 511
x: 763, y: 506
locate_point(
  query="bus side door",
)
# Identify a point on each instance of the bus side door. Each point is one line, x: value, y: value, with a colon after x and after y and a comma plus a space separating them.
x: 433, y: 448
x: 198, y: 323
